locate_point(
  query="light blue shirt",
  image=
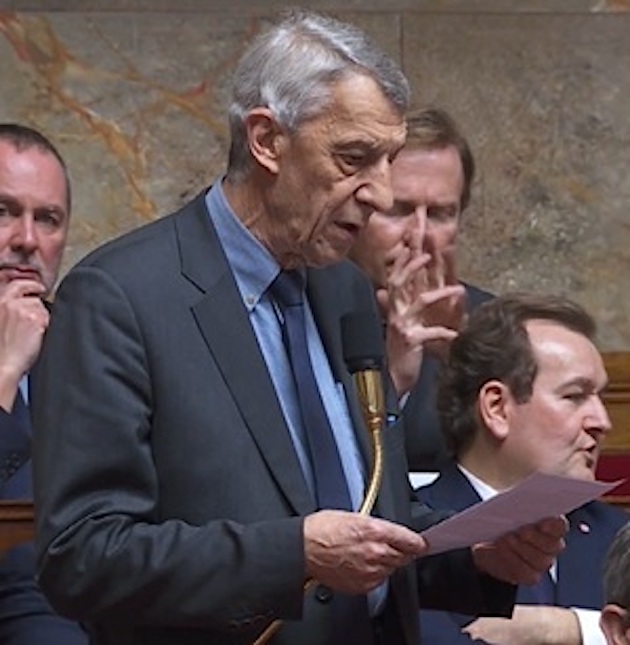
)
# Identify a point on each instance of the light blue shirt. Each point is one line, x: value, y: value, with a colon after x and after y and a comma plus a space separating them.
x: 24, y: 388
x: 254, y: 270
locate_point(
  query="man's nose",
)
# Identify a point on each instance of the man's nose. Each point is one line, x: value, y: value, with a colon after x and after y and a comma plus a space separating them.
x: 376, y: 191
x: 599, y: 418
x: 419, y: 221
x: 24, y: 234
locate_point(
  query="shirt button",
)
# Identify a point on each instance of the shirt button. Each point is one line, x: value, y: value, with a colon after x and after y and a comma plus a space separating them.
x: 323, y: 594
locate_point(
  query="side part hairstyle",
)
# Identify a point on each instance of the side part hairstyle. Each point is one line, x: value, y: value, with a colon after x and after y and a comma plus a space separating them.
x: 432, y: 128
x: 495, y: 345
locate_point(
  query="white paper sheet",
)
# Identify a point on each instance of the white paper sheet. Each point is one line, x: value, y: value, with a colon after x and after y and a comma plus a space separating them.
x: 535, y: 498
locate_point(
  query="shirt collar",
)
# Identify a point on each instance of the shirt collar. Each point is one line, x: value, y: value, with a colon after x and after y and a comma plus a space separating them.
x: 483, y: 490
x: 254, y: 268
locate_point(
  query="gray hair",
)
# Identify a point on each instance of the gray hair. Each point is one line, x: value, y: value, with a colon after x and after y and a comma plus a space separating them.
x: 617, y: 570
x: 290, y: 69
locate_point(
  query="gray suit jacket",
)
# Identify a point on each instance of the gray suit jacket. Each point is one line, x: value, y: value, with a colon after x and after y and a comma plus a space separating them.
x: 170, y: 499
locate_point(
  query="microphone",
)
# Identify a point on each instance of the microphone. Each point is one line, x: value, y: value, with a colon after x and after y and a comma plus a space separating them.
x: 363, y: 350
x: 362, y: 342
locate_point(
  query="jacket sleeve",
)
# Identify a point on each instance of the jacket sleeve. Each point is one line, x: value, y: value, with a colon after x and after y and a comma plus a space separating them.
x: 99, y: 488
x: 15, y: 445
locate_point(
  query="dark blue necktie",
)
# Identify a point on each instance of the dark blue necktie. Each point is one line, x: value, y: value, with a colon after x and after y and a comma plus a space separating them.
x: 330, y: 482
x: 350, y: 615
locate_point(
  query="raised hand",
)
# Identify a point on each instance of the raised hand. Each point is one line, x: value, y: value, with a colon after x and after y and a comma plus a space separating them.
x: 418, y: 307
x: 23, y: 321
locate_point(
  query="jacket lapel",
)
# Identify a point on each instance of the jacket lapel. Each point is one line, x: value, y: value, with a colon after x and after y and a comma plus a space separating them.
x: 452, y: 490
x: 579, y: 565
x: 225, y: 327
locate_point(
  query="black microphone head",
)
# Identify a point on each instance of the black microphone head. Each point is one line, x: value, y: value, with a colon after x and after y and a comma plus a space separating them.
x: 362, y: 339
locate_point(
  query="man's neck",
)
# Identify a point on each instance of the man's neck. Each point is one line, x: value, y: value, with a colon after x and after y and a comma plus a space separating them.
x: 488, y: 468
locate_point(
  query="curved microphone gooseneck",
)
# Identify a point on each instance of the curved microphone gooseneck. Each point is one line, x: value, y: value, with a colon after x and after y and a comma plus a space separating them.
x: 363, y: 350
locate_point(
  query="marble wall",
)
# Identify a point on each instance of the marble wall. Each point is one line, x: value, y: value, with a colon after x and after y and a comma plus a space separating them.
x: 135, y: 94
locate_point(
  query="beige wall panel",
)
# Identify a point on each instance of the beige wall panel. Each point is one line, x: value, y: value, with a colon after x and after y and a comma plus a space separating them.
x: 136, y: 100
x: 137, y: 103
x: 544, y: 100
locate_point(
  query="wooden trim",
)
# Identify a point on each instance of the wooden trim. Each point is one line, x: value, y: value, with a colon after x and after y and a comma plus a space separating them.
x: 617, y: 400
x: 16, y: 517
x: 16, y: 523
x: 614, y: 463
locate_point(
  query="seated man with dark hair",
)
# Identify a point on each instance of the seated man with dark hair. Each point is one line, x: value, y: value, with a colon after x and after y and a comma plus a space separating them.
x: 34, y: 220
x: 521, y: 393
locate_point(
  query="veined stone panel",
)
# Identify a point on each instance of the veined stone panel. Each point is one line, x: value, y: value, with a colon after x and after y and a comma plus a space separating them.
x: 544, y: 100
x: 137, y: 104
x: 264, y: 6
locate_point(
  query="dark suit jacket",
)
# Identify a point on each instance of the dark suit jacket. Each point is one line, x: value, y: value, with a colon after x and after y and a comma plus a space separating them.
x: 579, y: 566
x: 424, y: 442
x: 170, y: 497
x: 26, y: 618
x: 15, y: 442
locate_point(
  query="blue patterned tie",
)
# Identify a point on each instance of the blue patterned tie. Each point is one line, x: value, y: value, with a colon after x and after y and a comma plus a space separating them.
x: 330, y: 482
x: 351, y: 623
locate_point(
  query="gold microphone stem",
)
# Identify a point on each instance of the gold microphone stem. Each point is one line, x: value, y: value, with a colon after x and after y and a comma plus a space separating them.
x: 370, y: 390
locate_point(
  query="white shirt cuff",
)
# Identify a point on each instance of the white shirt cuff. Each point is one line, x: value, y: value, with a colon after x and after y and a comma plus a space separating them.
x: 589, y: 626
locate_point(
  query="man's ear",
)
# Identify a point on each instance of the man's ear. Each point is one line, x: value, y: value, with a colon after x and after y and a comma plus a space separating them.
x: 265, y: 137
x: 493, y: 402
x: 613, y: 621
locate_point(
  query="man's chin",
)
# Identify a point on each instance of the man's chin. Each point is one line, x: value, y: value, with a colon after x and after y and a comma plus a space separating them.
x: 585, y: 472
x: 324, y: 256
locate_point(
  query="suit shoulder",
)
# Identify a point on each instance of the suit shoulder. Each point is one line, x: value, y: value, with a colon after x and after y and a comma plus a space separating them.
x: 433, y: 493
x: 347, y: 273
x: 603, y: 514
x: 154, y: 237
x: 345, y: 282
x: 476, y: 296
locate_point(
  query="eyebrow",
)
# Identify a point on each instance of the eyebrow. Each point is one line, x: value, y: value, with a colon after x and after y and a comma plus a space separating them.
x: 50, y: 207
x: 585, y: 383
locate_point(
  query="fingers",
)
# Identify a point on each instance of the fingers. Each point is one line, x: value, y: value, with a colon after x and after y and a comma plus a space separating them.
x: 22, y: 288
x: 539, y: 545
x: 546, y: 537
x: 553, y: 527
x: 443, y: 293
x: 23, y: 321
x: 450, y: 265
x: 406, y: 266
x: 354, y: 553
x: 522, y: 556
